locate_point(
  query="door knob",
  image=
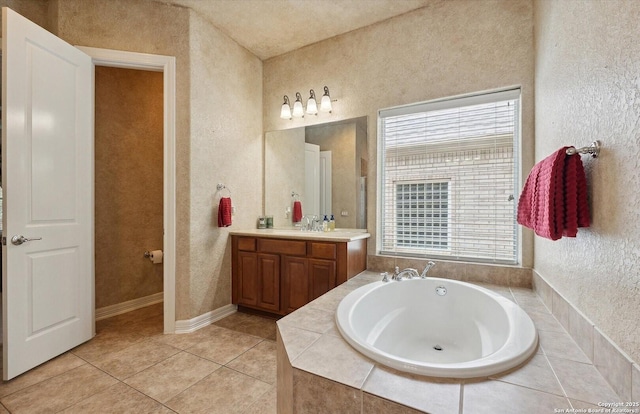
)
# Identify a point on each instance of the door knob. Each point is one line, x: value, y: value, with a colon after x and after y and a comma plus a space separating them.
x: 18, y: 240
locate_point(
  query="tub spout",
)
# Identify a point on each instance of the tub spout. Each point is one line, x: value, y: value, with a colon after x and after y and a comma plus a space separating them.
x: 430, y: 264
x: 409, y: 272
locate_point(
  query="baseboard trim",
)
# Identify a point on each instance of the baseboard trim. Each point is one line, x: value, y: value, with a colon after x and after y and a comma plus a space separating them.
x: 128, y: 306
x: 192, y: 325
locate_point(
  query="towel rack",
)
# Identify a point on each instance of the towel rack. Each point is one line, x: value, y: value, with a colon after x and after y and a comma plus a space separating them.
x: 593, y: 149
x: 295, y: 196
x: 221, y: 187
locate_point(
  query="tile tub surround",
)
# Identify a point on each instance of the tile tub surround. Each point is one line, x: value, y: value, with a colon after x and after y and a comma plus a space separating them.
x: 614, y: 364
x: 319, y: 372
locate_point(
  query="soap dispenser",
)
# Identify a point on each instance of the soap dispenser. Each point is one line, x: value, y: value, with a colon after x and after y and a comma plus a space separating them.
x: 325, y: 223
x: 332, y: 223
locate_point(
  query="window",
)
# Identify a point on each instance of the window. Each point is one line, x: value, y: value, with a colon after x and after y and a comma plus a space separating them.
x: 422, y: 211
x: 448, y: 176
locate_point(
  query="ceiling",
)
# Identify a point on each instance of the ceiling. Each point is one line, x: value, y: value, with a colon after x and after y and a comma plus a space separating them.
x: 270, y: 28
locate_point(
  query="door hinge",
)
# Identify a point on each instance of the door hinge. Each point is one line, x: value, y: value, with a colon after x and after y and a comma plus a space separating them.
x: 4, y: 241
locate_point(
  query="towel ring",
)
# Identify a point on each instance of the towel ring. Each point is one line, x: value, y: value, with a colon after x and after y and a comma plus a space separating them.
x: 295, y: 196
x: 221, y: 187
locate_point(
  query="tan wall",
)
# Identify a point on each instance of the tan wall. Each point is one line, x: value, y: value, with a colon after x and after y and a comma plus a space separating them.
x: 445, y: 49
x: 35, y: 10
x: 226, y: 147
x: 587, y: 65
x: 128, y: 177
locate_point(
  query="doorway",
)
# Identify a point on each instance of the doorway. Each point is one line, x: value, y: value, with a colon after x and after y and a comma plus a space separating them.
x: 165, y: 65
x: 128, y: 141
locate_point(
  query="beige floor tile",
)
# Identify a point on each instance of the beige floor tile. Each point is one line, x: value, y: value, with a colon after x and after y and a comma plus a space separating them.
x: 258, y: 362
x: 585, y: 405
x: 267, y: 404
x: 170, y: 377
x: 491, y: 397
x: 56, y: 366
x: 3, y: 410
x: 135, y: 358
x: 535, y: 374
x: 582, y: 381
x: 60, y: 392
x: 223, y: 345
x: 223, y: 392
x: 181, y: 341
x: 106, y: 342
x: 373, y: 404
x: 118, y: 399
x: 250, y: 324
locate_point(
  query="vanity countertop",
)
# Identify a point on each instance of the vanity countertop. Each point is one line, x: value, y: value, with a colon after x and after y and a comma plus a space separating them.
x: 338, y: 235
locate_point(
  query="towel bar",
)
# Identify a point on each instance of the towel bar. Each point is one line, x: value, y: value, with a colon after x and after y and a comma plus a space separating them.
x: 593, y: 149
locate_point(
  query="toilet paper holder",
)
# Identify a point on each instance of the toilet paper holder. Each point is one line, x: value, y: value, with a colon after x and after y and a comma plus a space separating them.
x: 147, y: 254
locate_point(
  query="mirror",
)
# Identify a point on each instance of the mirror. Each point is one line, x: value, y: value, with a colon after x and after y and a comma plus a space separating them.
x: 324, y: 167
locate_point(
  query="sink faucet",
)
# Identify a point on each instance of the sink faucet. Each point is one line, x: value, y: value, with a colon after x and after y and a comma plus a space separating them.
x: 430, y: 264
x: 410, y: 272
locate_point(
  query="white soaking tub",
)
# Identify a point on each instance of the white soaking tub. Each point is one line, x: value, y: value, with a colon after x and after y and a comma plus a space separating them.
x: 437, y: 327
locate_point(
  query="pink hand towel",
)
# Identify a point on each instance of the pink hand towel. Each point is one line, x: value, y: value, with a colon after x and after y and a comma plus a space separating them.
x: 297, y: 211
x: 224, y: 212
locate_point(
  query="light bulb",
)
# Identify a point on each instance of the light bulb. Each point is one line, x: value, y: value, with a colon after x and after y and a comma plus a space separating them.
x: 325, y: 103
x: 285, y: 111
x: 298, y: 110
x: 312, y: 105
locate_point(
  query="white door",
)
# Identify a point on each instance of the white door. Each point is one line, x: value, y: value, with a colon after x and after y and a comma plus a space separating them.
x: 47, y: 177
x: 312, y: 179
x: 326, y: 207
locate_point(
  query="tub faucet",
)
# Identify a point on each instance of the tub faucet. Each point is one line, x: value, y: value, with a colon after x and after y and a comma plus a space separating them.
x: 411, y: 273
x: 430, y: 264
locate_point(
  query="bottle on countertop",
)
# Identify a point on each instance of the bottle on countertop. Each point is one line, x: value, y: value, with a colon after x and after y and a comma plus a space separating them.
x: 332, y: 223
x: 325, y: 223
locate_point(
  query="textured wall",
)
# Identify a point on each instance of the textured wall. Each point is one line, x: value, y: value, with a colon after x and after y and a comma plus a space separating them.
x: 35, y: 10
x: 587, y: 88
x: 444, y: 49
x: 128, y: 177
x: 226, y: 142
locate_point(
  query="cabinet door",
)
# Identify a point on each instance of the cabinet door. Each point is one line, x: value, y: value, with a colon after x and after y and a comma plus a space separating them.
x: 247, y: 279
x: 322, y: 277
x: 269, y: 282
x: 295, y: 289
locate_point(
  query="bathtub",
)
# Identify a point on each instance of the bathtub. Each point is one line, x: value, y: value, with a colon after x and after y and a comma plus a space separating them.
x: 437, y: 327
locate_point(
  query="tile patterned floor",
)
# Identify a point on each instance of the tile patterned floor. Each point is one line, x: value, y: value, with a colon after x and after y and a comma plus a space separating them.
x: 131, y: 367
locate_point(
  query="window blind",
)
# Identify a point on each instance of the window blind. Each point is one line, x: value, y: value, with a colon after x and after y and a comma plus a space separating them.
x: 448, y: 178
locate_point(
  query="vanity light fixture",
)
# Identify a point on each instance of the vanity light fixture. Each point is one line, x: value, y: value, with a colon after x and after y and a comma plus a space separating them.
x: 285, y: 111
x: 298, y: 110
x: 325, y: 103
x: 312, y: 105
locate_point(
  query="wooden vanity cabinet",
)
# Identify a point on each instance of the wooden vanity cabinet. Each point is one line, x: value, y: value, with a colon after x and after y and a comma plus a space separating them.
x: 281, y: 275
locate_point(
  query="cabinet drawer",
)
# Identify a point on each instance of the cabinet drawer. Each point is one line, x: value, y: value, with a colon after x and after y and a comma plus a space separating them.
x: 292, y: 247
x: 248, y: 244
x: 323, y: 250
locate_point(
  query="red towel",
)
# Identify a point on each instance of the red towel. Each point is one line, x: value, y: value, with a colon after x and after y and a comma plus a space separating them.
x: 554, y: 199
x: 224, y: 212
x: 297, y: 211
